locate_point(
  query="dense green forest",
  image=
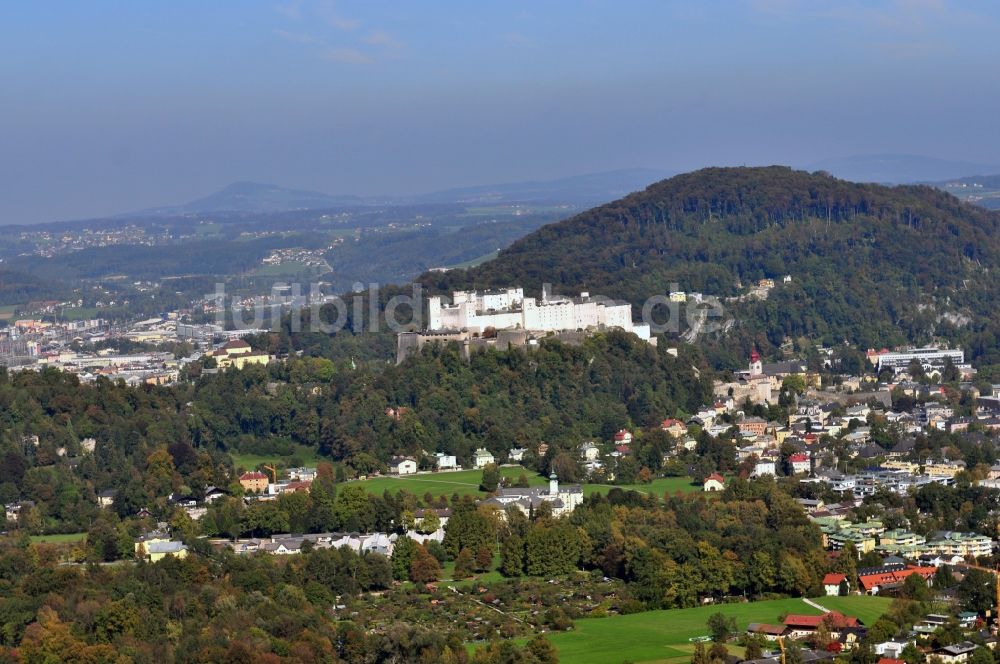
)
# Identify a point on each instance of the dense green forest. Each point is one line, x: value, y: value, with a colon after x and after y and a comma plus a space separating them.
x: 558, y: 394
x: 870, y: 264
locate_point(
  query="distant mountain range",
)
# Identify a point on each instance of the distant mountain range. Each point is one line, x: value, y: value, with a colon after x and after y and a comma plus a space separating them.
x: 258, y: 197
x: 255, y: 197
x: 899, y: 168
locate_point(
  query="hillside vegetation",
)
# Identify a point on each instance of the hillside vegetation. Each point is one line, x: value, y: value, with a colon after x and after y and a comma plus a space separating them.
x: 871, y: 264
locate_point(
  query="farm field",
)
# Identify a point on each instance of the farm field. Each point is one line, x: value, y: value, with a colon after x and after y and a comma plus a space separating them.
x: 664, y: 637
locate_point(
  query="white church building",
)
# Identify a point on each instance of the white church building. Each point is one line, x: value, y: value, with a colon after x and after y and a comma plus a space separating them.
x: 562, y: 499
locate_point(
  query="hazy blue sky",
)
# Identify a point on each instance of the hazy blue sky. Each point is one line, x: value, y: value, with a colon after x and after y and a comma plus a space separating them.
x: 112, y: 106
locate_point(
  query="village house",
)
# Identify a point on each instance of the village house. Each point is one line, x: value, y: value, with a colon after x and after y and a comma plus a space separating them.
x: 157, y: 545
x: 238, y: 354
x: 589, y: 451
x: 254, y: 482
x: 800, y: 626
x: 873, y: 584
x: 483, y: 457
x: 764, y: 467
x: 516, y: 453
x: 832, y: 584
x: 445, y: 461
x: 623, y: 437
x: 213, y: 494
x: 799, y: 463
x: 956, y: 653
x: 754, y: 425
x: 714, y: 482
x: 674, y: 427
x: 402, y: 465
x: 106, y: 498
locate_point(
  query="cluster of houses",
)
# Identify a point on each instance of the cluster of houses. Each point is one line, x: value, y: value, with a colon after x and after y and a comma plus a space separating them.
x: 938, y: 548
x: 846, y: 632
x: 286, y: 544
x: 291, y: 544
x: 260, y: 486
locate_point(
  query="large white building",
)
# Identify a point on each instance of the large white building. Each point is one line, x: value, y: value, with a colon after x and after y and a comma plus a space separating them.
x: 563, y: 499
x: 510, y: 309
x: 927, y: 357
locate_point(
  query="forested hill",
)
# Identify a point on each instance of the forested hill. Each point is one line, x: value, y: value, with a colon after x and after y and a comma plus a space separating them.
x: 869, y: 263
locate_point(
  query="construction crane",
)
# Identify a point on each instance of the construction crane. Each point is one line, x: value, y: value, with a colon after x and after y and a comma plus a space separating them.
x: 781, y: 644
x: 274, y: 473
x: 996, y: 575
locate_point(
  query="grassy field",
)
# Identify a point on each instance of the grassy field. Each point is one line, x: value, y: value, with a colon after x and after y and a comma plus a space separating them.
x: 479, y: 260
x: 868, y: 609
x: 63, y: 538
x: 250, y: 461
x: 657, y: 487
x: 664, y: 636
x: 7, y: 311
x: 78, y: 313
x: 466, y: 482
x: 462, y: 482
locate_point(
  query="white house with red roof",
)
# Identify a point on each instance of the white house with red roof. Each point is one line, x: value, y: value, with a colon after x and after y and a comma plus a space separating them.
x: 799, y: 463
x: 674, y: 427
x: 831, y: 583
x: 714, y: 482
x: 623, y: 437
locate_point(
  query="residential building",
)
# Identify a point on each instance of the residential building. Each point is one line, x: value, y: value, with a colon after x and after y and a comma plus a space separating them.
x: 445, y: 461
x: 483, y: 457
x: 879, y: 581
x: 402, y: 465
x: 764, y: 467
x: 589, y: 451
x: 714, y: 482
x: 238, y: 354
x: 832, y: 583
x: 254, y: 482
x: 799, y: 463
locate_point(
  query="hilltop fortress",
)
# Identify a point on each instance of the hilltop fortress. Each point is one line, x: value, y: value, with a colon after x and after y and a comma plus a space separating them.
x: 504, y: 318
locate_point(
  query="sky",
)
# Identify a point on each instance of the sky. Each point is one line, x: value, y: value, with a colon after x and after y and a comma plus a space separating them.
x: 107, y: 107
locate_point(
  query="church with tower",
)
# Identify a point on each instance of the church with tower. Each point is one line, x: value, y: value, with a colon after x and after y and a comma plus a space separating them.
x: 562, y: 499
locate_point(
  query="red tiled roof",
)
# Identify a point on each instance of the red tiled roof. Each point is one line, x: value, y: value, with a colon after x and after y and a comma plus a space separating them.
x: 717, y: 477
x: 869, y: 581
x: 836, y: 619
x: 763, y: 628
x: 890, y: 660
x: 255, y: 475
x: 833, y: 579
x: 798, y: 457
